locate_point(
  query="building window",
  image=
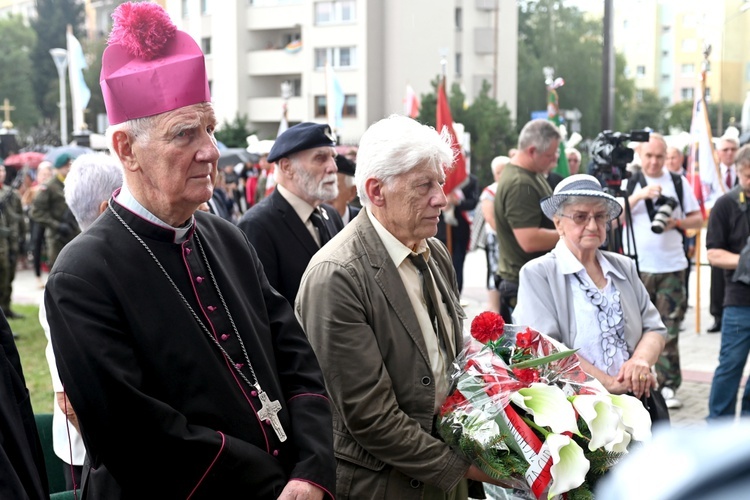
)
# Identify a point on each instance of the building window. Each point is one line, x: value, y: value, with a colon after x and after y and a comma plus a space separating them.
x: 639, y: 95
x: 320, y: 106
x: 206, y: 45
x: 459, y: 19
x: 687, y: 69
x: 640, y: 71
x: 184, y: 8
x: 296, y: 86
x: 349, y: 111
x: 204, y: 6
x: 342, y: 11
x: 459, y: 61
x: 686, y: 93
x: 747, y: 72
x: 338, y: 57
x: 707, y: 96
x: 350, y: 106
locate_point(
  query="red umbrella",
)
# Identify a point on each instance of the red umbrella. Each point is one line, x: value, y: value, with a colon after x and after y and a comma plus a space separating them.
x: 32, y: 159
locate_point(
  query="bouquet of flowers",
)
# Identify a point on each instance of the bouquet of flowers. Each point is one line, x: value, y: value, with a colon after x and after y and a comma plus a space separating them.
x: 524, y: 412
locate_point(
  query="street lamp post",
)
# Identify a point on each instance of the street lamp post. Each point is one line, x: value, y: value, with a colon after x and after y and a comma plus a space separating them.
x: 60, y: 56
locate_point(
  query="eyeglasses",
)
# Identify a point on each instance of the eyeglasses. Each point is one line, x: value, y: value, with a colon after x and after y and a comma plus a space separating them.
x: 582, y: 219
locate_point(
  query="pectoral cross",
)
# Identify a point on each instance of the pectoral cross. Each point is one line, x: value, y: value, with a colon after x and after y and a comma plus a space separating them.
x: 268, y: 411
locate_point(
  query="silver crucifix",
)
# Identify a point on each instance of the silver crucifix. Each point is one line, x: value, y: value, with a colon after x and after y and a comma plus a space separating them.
x: 268, y: 411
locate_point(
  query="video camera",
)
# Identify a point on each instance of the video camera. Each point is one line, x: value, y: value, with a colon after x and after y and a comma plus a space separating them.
x: 611, y: 155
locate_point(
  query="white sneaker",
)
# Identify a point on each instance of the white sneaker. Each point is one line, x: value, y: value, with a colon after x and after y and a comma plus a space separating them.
x: 669, y: 397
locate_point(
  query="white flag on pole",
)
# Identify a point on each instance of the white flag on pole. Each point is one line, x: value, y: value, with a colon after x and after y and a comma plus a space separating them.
x: 79, y: 91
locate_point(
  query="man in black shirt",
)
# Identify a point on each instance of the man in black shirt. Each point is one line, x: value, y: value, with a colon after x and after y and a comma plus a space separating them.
x: 728, y: 231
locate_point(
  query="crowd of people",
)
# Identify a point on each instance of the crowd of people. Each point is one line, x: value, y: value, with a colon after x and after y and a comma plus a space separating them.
x: 303, y: 348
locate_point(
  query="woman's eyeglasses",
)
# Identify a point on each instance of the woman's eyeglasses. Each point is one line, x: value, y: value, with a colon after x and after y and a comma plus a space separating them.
x: 583, y: 219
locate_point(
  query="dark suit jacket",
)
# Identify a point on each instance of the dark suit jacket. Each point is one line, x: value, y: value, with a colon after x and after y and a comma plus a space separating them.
x: 461, y: 234
x: 283, y: 243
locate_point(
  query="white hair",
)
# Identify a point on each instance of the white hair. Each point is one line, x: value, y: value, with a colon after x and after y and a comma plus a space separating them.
x: 498, y: 163
x: 93, y: 177
x: 396, y: 145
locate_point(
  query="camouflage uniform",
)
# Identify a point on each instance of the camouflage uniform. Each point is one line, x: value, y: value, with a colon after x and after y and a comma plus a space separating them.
x: 12, y: 228
x: 50, y: 210
x: 667, y: 292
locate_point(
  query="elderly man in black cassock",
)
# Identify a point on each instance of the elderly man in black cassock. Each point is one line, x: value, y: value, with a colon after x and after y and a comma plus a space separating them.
x: 190, y: 376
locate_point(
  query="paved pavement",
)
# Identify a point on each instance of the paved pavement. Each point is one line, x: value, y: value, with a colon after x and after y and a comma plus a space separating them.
x: 699, y: 351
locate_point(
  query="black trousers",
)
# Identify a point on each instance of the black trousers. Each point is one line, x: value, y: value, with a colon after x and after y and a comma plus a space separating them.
x: 716, y: 305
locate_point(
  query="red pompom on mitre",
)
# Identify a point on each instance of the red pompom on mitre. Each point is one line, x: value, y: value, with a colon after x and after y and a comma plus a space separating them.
x: 142, y: 28
x: 487, y: 327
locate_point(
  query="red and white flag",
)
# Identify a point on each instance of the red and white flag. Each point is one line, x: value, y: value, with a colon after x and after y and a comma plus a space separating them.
x: 411, y: 103
x: 702, y: 160
x: 456, y: 175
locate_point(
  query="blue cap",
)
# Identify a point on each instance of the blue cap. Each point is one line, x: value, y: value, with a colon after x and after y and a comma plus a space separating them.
x: 305, y: 135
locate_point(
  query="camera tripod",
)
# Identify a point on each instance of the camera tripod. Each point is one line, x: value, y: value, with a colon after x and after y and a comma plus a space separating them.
x: 617, y: 233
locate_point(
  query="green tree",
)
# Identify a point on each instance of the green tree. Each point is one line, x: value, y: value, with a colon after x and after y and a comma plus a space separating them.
x: 553, y: 34
x: 17, y: 41
x: 648, y: 111
x: 93, y: 48
x: 488, y: 124
x: 50, y: 25
x: 679, y: 115
x: 234, y: 134
x: 731, y: 116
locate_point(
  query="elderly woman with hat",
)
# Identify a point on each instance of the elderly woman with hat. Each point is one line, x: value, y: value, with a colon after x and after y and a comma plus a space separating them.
x: 589, y: 299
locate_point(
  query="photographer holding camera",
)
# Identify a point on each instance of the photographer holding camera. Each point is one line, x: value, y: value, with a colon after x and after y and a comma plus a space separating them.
x: 662, y: 207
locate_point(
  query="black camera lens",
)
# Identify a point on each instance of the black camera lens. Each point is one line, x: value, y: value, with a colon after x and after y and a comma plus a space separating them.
x: 665, y: 206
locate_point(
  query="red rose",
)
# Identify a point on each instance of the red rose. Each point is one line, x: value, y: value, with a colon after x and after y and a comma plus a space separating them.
x: 455, y: 400
x: 487, y: 327
x: 525, y: 338
x: 527, y: 376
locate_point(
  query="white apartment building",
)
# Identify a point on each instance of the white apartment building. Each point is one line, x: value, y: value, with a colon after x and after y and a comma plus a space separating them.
x: 664, y: 40
x: 376, y: 49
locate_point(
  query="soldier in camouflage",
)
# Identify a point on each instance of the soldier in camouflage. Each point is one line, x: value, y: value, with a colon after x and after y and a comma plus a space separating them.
x: 12, y: 227
x: 50, y: 210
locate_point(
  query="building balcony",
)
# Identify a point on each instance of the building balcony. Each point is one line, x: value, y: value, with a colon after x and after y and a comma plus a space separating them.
x: 275, y: 14
x: 274, y: 62
x: 268, y: 109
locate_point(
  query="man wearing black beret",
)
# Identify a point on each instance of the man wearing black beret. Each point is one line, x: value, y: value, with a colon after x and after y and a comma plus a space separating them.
x: 347, y: 189
x: 288, y: 227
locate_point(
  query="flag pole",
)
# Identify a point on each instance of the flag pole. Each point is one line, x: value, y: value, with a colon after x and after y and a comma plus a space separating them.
x: 698, y: 234
x: 448, y: 227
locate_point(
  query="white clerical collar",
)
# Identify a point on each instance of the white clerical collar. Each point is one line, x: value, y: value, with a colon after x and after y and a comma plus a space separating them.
x: 127, y: 200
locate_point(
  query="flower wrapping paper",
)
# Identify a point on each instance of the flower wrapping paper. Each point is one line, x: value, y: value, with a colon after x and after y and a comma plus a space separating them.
x: 522, y: 410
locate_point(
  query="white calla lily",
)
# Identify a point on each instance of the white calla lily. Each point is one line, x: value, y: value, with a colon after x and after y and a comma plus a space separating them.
x: 569, y: 465
x: 549, y: 406
x: 634, y: 416
x: 620, y: 443
x: 600, y: 416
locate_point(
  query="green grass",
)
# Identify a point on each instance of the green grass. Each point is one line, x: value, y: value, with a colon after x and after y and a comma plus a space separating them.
x: 31, y: 343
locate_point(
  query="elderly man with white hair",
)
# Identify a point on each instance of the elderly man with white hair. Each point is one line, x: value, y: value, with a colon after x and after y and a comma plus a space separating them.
x: 380, y: 306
